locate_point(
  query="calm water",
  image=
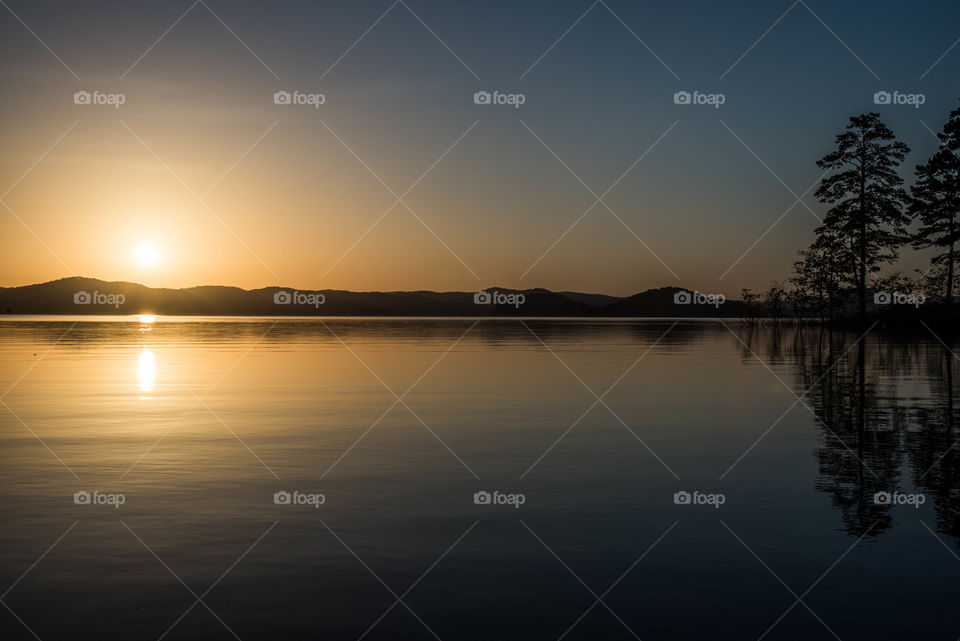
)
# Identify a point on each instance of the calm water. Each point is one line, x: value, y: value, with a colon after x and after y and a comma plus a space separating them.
x: 198, y: 423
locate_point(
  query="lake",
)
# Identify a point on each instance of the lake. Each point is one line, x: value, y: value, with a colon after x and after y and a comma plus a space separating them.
x: 258, y: 478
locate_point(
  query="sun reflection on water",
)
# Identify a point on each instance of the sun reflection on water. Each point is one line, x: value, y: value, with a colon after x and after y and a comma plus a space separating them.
x: 146, y: 370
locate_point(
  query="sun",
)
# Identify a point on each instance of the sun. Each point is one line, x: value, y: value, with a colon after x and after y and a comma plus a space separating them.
x: 146, y: 254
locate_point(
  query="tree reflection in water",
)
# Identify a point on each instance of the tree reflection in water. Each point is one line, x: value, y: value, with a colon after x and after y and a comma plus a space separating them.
x: 885, y: 410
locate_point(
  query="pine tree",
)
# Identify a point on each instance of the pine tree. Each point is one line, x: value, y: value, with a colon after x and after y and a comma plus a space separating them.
x: 867, y: 197
x: 936, y: 201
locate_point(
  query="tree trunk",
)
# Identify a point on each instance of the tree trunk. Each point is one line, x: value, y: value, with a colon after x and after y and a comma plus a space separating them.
x: 950, y: 258
x: 861, y: 384
x: 862, y: 276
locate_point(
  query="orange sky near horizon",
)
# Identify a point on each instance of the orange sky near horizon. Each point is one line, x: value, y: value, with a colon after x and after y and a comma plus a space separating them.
x: 296, y: 210
x: 601, y: 182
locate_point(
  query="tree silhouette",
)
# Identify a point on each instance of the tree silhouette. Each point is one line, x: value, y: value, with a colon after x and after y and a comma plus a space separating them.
x: 775, y: 298
x: 936, y: 200
x: 868, y: 201
x: 821, y: 271
x: 750, y: 301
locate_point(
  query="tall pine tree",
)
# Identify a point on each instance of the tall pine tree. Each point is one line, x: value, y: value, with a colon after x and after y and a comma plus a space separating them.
x: 866, y: 195
x: 936, y: 202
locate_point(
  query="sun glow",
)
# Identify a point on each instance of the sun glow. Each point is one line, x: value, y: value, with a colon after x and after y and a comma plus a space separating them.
x: 146, y: 254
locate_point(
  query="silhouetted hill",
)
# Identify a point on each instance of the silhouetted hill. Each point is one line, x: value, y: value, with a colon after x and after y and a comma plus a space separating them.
x: 664, y: 301
x: 596, y: 300
x: 92, y: 296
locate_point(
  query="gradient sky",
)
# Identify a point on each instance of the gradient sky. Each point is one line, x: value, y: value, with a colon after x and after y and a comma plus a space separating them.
x: 303, y: 184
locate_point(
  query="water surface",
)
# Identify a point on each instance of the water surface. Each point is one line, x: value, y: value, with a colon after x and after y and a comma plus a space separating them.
x: 198, y: 423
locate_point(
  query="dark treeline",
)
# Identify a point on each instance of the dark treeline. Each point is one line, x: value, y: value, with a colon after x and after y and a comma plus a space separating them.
x: 871, y: 216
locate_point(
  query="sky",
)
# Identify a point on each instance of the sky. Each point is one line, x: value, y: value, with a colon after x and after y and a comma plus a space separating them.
x: 599, y: 181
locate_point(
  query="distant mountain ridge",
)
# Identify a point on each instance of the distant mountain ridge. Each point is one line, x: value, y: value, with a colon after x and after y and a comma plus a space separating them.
x: 78, y: 295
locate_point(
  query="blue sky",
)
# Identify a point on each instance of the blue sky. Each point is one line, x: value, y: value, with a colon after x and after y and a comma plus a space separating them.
x: 499, y: 206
